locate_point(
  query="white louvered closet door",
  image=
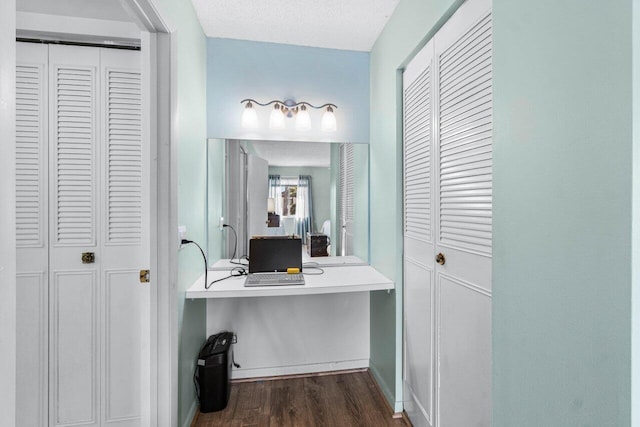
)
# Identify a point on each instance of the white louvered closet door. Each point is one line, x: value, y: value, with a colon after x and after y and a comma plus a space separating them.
x: 346, y: 189
x: 81, y: 186
x: 31, y: 235
x: 74, y: 364
x: 419, y: 356
x: 463, y: 153
x: 124, y: 234
x: 447, y: 224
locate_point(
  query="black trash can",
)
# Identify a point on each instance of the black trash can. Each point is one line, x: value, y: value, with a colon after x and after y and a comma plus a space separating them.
x: 213, y: 372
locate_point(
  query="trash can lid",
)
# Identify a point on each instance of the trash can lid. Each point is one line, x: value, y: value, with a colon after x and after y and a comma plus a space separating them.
x: 216, y: 344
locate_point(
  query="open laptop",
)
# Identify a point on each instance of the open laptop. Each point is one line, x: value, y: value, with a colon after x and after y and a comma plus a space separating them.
x: 269, y: 259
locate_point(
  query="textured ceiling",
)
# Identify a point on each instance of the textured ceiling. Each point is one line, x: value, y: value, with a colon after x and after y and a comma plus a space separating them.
x: 336, y: 24
x: 316, y: 154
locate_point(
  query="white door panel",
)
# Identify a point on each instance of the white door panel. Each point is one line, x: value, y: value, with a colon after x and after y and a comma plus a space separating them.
x: 82, y: 186
x: 257, y: 195
x: 459, y: 263
x: 448, y: 212
x: 419, y: 342
x: 32, y: 292
x: 124, y: 205
x: 419, y: 302
x: 74, y: 215
x: 74, y: 356
x: 463, y: 172
x: 31, y: 149
x: 31, y: 342
x: 123, y: 356
x: 464, y: 395
x: 73, y: 76
x: 346, y: 188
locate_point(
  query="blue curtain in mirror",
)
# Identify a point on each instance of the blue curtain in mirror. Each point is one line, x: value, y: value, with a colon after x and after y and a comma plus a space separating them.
x: 274, y: 188
x: 304, y: 211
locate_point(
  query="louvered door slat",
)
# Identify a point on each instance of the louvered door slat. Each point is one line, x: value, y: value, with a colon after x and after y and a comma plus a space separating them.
x: 346, y: 188
x: 124, y: 157
x: 467, y: 92
x: 465, y: 135
x: 475, y: 61
x: 417, y: 157
x: 466, y: 112
x: 465, y: 144
x: 465, y: 152
x: 477, y: 35
x: 74, y: 161
x: 30, y: 191
x: 350, y: 183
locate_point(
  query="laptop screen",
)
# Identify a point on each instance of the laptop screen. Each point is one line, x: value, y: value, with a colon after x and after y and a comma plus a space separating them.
x: 274, y: 253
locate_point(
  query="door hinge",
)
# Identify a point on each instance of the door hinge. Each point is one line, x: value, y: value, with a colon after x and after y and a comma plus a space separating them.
x: 144, y: 276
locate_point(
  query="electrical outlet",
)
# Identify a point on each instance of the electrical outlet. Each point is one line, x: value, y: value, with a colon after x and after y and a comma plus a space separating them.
x: 221, y: 223
x: 182, y: 232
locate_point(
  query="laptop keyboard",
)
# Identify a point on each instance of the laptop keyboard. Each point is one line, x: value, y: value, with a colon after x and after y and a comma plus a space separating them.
x: 267, y: 279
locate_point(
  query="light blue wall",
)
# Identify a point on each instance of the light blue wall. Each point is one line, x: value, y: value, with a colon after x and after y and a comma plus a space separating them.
x: 562, y: 206
x: 191, y: 140
x: 635, y: 302
x: 243, y: 69
x: 266, y: 71
x: 361, y: 201
x: 334, y: 179
x: 407, y: 28
x: 562, y: 213
x: 215, y: 197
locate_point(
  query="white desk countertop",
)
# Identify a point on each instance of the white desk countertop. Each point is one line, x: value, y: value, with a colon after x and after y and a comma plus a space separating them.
x: 321, y: 261
x: 335, y: 279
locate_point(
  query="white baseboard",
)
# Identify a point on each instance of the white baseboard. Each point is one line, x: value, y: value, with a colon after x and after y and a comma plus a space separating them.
x: 397, y: 406
x: 191, y: 414
x: 299, y: 369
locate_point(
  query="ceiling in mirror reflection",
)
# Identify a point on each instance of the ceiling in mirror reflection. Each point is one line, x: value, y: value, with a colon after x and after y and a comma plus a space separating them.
x: 295, y: 154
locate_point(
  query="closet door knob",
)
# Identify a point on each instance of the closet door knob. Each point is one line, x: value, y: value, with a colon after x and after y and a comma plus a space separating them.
x: 440, y: 258
x: 88, y: 257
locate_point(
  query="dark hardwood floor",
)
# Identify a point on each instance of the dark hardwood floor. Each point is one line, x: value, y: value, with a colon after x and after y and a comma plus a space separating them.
x: 336, y: 400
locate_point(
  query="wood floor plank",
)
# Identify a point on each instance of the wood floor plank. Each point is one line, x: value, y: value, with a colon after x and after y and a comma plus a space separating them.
x: 374, y: 411
x: 317, y: 401
x: 219, y: 418
x: 342, y: 407
x: 336, y: 400
x: 288, y: 405
x: 253, y: 404
x: 359, y: 405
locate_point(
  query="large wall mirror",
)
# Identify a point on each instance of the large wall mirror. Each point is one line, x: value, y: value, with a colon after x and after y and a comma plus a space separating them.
x: 309, y: 189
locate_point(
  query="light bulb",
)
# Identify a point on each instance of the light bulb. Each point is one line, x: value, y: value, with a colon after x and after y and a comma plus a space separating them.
x: 303, y: 121
x: 276, y: 119
x: 249, y: 117
x: 328, y: 123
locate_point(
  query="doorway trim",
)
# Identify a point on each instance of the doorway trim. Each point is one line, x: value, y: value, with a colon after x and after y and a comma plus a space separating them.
x: 159, y: 53
x: 7, y: 215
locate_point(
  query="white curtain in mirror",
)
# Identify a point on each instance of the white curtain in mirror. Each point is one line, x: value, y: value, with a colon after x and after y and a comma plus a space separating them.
x: 293, y: 202
x: 304, y: 212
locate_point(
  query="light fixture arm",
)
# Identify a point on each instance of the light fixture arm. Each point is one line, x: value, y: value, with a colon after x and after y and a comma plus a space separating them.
x: 317, y: 108
x: 287, y: 103
x: 288, y: 108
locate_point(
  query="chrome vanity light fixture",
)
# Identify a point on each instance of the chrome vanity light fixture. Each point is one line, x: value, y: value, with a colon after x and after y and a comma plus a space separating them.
x: 328, y: 123
x: 276, y: 119
x: 249, y: 117
x: 287, y: 109
x: 303, y: 120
